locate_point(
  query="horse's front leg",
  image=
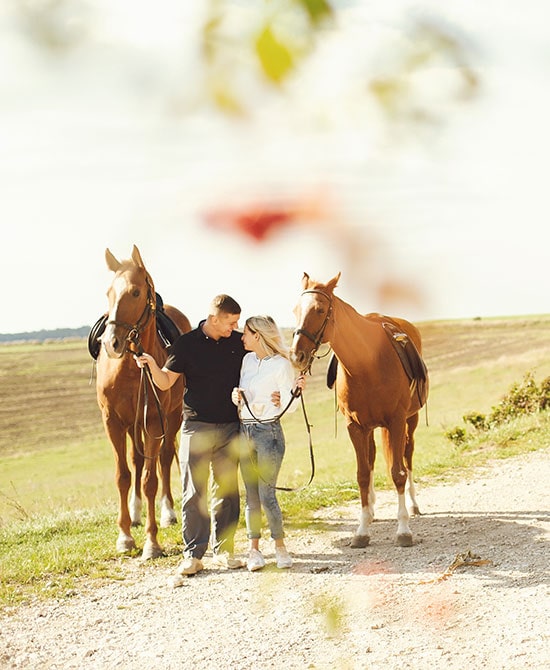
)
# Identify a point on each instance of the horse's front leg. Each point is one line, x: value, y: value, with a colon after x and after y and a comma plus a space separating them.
x: 365, y: 450
x: 151, y: 547
x: 123, y: 477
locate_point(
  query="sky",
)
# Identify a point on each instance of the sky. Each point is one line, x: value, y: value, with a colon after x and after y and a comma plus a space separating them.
x: 439, y: 211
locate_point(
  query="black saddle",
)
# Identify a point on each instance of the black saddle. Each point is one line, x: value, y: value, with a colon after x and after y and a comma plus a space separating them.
x: 166, y: 328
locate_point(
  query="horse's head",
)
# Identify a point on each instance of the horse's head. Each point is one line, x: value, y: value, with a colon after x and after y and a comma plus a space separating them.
x: 131, y: 303
x: 313, y: 313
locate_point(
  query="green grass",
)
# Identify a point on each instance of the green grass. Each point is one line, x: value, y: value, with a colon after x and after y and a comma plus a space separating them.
x: 58, y: 502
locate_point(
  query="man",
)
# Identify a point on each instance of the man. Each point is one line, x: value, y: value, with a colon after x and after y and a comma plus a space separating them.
x: 210, y: 357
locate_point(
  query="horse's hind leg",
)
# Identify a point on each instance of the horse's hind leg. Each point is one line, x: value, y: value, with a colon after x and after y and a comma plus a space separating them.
x: 149, y: 482
x: 393, y: 440
x: 166, y: 458
x: 412, y: 423
x: 135, y: 496
x: 363, y: 443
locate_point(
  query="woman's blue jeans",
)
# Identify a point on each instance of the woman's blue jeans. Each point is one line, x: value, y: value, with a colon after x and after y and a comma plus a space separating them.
x: 262, y: 451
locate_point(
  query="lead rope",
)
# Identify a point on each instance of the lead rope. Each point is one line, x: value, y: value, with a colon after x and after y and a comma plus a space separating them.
x: 146, y: 376
x: 277, y: 418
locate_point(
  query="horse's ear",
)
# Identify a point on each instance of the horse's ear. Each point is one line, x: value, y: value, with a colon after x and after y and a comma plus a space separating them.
x: 112, y: 262
x: 305, y: 280
x: 331, y: 285
x: 136, y: 257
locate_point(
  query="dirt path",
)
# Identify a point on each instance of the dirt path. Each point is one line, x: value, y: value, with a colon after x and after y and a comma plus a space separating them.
x: 382, y: 607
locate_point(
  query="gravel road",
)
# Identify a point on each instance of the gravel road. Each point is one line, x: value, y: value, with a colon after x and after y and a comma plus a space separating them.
x: 382, y: 607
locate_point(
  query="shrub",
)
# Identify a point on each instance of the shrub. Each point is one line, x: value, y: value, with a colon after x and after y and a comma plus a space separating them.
x: 521, y: 399
x: 478, y: 421
x: 545, y: 394
x: 456, y: 435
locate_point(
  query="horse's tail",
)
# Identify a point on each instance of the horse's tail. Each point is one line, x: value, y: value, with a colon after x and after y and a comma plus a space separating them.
x: 388, y: 456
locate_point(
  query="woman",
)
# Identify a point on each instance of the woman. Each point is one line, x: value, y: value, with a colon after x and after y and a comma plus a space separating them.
x: 265, y: 389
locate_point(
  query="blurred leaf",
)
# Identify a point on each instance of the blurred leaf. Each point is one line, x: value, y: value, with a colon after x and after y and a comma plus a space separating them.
x: 56, y: 25
x: 317, y: 10
x: 389, y: 92
x: 226, y: 101
x: 275, y: 57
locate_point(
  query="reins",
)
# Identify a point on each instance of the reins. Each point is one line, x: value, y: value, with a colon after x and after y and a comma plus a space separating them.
x: 146, y: 381
x: 293, y: 397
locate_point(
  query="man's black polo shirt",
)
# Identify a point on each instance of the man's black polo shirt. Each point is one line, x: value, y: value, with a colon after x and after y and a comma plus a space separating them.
x: 212, y: 369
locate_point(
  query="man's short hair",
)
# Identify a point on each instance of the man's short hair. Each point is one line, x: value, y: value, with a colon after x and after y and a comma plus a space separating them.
x: 224, y: 304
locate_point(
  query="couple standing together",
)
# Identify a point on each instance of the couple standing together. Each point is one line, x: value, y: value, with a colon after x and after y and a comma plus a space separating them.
x: 230, y: 394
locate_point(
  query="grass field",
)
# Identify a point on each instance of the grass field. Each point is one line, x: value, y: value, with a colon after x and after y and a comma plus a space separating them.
x: 57, y: 495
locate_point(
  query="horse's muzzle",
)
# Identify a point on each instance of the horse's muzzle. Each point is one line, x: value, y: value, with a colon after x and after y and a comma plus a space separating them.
x: 113, y: 346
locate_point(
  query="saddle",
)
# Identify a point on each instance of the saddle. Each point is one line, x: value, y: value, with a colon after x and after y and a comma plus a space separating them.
x: 166, y: 328
x: 411, y: 360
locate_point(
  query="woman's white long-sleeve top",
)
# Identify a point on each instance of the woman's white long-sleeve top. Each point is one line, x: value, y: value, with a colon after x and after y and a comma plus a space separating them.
x: 260, y: 377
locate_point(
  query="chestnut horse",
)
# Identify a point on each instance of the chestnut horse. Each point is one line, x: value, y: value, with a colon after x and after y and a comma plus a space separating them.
x: 372, y: 387
x: 131, y: 407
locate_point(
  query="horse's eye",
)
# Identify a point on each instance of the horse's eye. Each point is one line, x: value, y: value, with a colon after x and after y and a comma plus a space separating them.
x: 135, y: 293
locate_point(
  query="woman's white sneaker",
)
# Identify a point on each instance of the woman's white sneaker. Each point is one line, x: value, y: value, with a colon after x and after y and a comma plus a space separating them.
x: 255, y: 560
x: 284, y: 560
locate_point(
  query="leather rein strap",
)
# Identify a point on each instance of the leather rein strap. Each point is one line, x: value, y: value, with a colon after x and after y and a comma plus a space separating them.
x: 310, y: 442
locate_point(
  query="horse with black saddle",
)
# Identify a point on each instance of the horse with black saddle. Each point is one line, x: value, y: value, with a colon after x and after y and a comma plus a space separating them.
x: 131, y: 406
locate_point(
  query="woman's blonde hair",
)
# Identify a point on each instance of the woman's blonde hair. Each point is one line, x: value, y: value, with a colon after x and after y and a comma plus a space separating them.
x: 270, y: 335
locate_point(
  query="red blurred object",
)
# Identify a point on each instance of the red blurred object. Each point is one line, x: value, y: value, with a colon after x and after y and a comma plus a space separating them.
x: 255, y: 222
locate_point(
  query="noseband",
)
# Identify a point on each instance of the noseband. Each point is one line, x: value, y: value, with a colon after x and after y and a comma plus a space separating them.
x: 133, y: 335
x: 318, y: 336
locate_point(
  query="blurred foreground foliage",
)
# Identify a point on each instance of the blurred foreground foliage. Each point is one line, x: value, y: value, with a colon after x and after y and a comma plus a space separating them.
x: 251, y: 48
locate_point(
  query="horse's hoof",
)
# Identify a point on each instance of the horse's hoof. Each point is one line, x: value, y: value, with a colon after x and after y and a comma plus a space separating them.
x: 125, y: 543
x: 415, y: 510
x: 168, y: 519
x: 136, y: 523
x: 151, y: 551
x: 405, y: 540
x: 360, y: 541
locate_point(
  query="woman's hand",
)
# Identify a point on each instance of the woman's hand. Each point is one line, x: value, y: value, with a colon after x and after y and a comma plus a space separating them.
x: 236, y: 396
x: 299, y: 385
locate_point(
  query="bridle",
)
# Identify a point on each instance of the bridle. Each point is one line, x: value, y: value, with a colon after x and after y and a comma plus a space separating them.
x: 133, y: 332
x: 318, y: 336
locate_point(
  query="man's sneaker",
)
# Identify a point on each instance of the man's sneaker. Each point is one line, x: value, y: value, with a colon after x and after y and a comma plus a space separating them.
x: 255, y: 560
x: 190, y: 566
x: 225, y: 560
x: 284, y: 560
